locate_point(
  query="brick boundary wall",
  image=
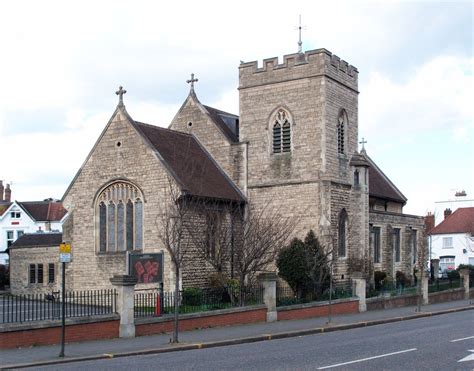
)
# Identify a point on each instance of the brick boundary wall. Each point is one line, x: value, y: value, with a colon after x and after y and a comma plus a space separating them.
x: 317, y: 309
x: 447, y: 295
x: 22, y: 335
x: 219, y: 318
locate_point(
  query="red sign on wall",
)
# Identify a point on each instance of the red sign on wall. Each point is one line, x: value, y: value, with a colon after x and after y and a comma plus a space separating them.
x: 15, y: 223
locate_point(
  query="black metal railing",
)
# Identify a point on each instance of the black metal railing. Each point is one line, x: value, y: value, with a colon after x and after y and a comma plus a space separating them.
x: 442, y: 285
x: 38, y: 307
x: 286, y: 296
x: 158, y: 303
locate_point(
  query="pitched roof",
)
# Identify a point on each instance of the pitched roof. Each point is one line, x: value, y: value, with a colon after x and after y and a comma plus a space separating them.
x: 38, y: 240
x: 191, y: 165
x: 44, y: 211
x: 217, y: 117
x: 380, y: 186
x: 461, y: 221
x: 4, y: 207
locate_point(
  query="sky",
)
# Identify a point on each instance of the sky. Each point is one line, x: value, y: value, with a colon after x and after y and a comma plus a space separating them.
x: 61, y: 63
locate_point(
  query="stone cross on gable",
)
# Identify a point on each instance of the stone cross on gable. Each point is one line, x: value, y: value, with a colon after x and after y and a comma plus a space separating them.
x: 120, y: 93
x: 192, y: 81
x: 363, y: 141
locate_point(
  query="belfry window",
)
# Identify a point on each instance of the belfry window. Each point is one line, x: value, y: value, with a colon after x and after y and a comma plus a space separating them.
x: 281, y: 132
x: 119, y: 212
x: 341, y: 132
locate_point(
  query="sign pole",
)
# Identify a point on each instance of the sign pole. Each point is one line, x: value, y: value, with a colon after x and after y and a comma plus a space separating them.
x: 63, y: 311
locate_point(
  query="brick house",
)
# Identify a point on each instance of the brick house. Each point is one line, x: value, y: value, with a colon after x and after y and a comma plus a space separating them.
x: 294, y: 144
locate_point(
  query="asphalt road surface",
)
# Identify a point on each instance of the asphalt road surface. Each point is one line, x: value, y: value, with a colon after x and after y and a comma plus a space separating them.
x: 443, y: 342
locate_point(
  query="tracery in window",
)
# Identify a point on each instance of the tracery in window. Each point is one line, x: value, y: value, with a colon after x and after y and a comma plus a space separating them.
x: 120, y: 218
x: 341, y: 132
x: 281, y: 132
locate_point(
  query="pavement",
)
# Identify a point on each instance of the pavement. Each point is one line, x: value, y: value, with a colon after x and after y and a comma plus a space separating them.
x: 214, y: 337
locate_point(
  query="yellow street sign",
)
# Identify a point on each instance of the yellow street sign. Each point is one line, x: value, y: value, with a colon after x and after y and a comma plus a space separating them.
x: 65, y: 248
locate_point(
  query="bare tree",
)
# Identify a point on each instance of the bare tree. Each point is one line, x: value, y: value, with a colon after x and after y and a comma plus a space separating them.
x: 171, y: 223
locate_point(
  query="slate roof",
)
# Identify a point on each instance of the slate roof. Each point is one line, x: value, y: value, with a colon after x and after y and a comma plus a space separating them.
x: 191, y: 165
x: 44, y: 211
x: 4, y: 207
x: 216, y: 116
x: 461, y: 221
x: 380, y: 186
x: 38, y: 240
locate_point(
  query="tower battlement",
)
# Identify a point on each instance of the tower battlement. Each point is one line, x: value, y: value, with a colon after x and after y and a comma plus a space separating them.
x: 318, y: 62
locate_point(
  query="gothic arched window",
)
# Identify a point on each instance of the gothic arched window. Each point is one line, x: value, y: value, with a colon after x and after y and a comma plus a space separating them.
x: 342, y: 233
x: 281, y: 132
x: 341, y: 132
x: 119, y: 212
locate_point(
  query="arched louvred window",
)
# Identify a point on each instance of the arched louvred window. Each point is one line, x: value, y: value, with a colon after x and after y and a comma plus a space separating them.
x: 119, y: 209
x: 102, y: 227
x: 281, y: 132
x: 277, y: 138
x: 342, y: 233
x: 342, y: 123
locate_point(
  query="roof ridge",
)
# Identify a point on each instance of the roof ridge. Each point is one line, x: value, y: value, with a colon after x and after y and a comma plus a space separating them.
x: 162, y: 128
x: 220, y: 111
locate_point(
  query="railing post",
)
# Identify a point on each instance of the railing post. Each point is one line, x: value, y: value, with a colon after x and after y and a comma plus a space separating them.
x: 125, y: 286
x: 424, y: 288
x: 464, y: 273
x: 360, y: 285
x: 268, y: 281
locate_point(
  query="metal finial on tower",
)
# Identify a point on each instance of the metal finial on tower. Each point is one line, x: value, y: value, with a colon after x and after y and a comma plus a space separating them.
x: 363, y: 141
x: 120, y: 93
x: 191, y: 81
x: 300, y: 43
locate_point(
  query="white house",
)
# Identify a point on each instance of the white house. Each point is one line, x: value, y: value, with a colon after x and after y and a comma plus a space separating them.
x: 452, y: 240
x: 18, y: 218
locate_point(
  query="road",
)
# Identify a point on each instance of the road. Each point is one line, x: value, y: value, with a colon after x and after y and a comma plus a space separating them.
x: 432, y: 343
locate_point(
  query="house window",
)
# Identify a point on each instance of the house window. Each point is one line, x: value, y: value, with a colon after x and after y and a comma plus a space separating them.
x: 281, y: 132
x: 376, y: 244
x: 15, y: 215
x: 356, y: 177
x: 19, y: 234
x: 342, y: 122
x: 36, y: 273
x: 212, y: 227
x: 342, y: 233
x: 447, y: 243
x: 120, y: 218
x: 396, y: 244
x: 51, y: 273
x: 447, y: 263
x: 10, y: 238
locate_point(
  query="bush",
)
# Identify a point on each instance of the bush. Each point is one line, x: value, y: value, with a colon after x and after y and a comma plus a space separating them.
x: 471, y: 270
x: 453, y: 275
x: 192, y: 296
x: 402, y: 280
x: 291, y: 266
x: 379, y: 278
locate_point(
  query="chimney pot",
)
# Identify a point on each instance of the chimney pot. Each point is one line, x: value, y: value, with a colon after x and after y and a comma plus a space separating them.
x: 447, y: 213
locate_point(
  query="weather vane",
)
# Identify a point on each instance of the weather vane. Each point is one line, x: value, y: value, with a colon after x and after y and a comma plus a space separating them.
x: 300, y: 43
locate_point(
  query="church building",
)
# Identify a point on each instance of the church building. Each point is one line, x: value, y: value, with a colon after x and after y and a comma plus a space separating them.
x: 294, y: 144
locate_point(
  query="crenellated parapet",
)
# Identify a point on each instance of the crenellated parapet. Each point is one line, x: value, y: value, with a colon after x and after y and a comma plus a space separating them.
x: 313, y: 63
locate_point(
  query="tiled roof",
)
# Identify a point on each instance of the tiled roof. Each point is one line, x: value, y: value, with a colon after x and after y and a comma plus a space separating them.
x: 4, y: 207
x: 461, y: 221
x: 380, y: 186
x: 216, y: 116
x: 38, y: 240
x: 191, y: 165
x: 51, y: 211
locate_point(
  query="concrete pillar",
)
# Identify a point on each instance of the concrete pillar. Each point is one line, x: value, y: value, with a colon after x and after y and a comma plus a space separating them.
x: 435, y: 265
x: 464, y: 273
x: 125, y: 286
x: 424, y: 289
x: 268, y: 281
x: 360, y: 284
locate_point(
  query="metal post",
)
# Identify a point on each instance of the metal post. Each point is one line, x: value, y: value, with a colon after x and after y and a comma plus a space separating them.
x: 63, y: 310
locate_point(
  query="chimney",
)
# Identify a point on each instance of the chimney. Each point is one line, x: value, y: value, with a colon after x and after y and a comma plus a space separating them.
x: 1, y: 190
x: 8, y: 193
x: 429, y: 222
x: 447, y: 213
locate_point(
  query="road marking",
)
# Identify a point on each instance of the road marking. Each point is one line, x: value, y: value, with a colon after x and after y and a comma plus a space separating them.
x: 469, y: 337
x: 367, y: 359
x: 470, y: 357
